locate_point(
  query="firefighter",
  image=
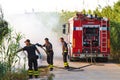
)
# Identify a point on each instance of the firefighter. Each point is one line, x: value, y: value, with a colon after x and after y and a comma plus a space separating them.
x: 49, y: 51
x: 32, y: 58
x: 64, y: 53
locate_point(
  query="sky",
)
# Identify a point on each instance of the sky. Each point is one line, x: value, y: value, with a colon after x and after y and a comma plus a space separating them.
x: 22, y: 6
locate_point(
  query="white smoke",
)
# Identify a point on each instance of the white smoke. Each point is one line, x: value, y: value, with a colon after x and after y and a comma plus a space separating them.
x: 36, y: 27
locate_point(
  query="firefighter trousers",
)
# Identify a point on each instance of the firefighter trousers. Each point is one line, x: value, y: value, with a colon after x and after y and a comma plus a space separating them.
x: 33, y: 67
x: 50, y: 59
x: 65, y: 54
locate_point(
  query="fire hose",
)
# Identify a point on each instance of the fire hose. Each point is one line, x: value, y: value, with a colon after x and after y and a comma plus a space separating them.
x: 70, y: 68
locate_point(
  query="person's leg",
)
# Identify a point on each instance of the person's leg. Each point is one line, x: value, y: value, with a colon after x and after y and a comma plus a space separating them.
x: 36, y: 72
x: 66, y: 65
x: 48, y: 59
x: 51, y: 61
x: 51, y: 58
x: 30, y: 70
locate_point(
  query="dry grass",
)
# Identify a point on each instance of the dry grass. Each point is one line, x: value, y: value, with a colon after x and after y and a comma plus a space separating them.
x: 15, y: 76
x: 45, y: 73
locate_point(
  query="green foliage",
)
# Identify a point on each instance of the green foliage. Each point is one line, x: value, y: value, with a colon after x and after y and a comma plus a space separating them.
x: 3, y: 26
x: 3, y: 69
x: 3, y: 30
x: 115, y: 40
x: 116, y: 11
x: 89, y: 12
x: 97, y: 12
x: 66, y: 15
x: 10, y: 44
x: 21, y: 75
x: 83, y: 11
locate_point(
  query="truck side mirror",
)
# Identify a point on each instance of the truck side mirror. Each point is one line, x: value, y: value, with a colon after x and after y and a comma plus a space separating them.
x: 64, y: 29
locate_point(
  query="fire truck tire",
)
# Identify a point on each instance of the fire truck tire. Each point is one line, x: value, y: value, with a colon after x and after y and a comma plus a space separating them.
x: 102, y: 59
x: 105, y: 59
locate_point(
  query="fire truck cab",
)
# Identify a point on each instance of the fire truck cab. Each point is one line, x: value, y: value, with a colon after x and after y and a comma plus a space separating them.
x: 87, y: 36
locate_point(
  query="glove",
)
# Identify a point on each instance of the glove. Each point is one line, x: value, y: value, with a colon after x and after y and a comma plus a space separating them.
x: 40, y: 56
x: 38, y: 44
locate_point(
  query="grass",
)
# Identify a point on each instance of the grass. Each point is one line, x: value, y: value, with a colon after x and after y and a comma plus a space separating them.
x: 15, y: 76
x: 8, y: 58
x: 44, y: 72
x: 22, y: 75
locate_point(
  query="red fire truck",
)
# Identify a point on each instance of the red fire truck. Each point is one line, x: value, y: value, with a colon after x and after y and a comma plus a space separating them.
x: 87, y: 36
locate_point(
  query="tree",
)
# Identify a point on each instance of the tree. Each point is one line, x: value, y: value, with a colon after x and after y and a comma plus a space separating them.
x: 3, y: 26
x: 89, y: 12
x: 116, y: 10
x: 97, y: 12
x: 84, y: 11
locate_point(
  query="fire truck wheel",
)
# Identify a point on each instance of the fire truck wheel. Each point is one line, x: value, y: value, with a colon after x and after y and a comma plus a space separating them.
x: 105, y: 60
x: 102, y: 59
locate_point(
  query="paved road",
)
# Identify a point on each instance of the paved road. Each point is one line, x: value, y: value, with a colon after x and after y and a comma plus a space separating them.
x: 100, y: 71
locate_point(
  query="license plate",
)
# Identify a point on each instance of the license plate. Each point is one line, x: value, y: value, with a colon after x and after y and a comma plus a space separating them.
x: 87, y: 55
x: 100, y: 55
x: 91, y: 55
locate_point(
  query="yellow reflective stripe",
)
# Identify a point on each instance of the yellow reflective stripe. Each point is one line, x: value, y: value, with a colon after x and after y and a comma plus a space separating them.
x: 51, y: 66
x: 65, y: 64
x: 30, y: 72
x: 65, y: 51
x: 36, y: 72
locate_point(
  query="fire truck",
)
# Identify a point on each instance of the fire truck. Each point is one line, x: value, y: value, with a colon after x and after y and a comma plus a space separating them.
x: 87, y: 36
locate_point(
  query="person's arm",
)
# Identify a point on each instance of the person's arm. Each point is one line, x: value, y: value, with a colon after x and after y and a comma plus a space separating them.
x: 43, y: 45
x: 38, y: 44
x: 22, y: 49
x: 19, y: 50
x: 38, y: 51
x: 40, y: 56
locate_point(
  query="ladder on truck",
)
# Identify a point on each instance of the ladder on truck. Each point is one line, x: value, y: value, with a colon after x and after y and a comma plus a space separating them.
x: 103, y: 36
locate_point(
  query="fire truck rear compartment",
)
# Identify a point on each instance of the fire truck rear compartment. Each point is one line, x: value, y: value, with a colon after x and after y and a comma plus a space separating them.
x: 90, y: 40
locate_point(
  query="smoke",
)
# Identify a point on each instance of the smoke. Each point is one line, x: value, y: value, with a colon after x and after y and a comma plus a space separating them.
x: 37, y: 26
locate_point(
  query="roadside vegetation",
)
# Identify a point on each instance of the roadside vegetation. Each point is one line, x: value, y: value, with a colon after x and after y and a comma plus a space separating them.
x: 9, y: 44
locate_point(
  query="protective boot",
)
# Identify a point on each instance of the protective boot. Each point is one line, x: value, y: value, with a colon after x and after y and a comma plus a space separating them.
x: 51, y: 67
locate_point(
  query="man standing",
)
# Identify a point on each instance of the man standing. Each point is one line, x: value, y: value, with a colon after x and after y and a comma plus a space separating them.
x: 64, y: 53
x: 49, y: 52
x: 32, y: 58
